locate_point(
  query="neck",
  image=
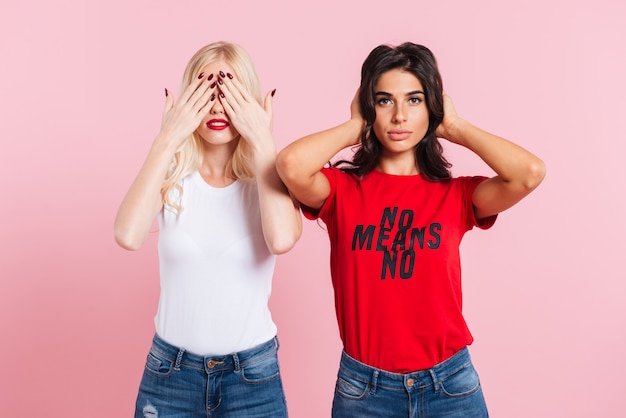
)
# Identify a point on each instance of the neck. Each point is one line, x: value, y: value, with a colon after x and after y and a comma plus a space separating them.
x: 215, y: 159
x: 398, y: 165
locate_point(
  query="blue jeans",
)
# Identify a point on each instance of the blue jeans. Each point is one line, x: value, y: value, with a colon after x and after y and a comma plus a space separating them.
x: 176, y: 383
x: 450, y: 389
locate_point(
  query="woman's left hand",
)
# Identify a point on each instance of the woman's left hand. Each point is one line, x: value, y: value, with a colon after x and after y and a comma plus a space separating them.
x: 253, y: 122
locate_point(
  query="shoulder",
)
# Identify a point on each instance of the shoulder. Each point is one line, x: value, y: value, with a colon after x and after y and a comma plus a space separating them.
x: 336, y: 175
x: 460, y: 182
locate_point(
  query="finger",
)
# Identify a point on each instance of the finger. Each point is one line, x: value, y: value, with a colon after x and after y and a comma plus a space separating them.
x: 206, y: 108
x: 208, y: 83
x: 169, y: 101
x: 269, y: 102
x: 226, y: 104
x: 197, y: 90
x: 229, y: 95
x: 234, y: 89
x: 202, y: 96
x: 268, y: 105
x: 191, y: 88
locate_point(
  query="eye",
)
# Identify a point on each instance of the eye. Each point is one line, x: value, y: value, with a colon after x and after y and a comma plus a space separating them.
x: 415, y: 100
x: 383, y: 101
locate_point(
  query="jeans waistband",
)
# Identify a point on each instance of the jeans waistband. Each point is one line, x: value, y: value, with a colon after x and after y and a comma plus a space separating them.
x: 233, y: 361
x: 421, y: 378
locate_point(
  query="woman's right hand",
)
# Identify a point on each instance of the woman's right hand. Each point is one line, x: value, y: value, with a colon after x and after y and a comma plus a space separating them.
x: 143, y: 199
x: 356, y: 116
x: 182, y: 118
x: 355, y: 108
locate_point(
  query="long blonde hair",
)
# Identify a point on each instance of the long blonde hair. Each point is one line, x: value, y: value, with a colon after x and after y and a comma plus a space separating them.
x: 188, y: 158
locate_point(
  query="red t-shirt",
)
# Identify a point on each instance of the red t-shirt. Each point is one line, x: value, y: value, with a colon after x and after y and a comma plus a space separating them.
x: 395, y: 265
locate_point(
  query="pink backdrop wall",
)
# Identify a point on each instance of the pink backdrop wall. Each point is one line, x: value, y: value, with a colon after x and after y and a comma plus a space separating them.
x: 81, y: 98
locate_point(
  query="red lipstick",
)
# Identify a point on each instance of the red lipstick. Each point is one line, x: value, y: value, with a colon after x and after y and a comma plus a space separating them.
x: 217, y: 124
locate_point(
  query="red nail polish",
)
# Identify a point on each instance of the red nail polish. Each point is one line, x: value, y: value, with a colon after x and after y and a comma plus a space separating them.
x: 229, y: 75
x: 222, y: 74
x: 200, y: 76
x: 213, y: 85
x: 210, y: 77
x: 273, y: 92
x: 213, y: 97
x: 219, y: 81
x: 166, y: 93
x: 222, y: 95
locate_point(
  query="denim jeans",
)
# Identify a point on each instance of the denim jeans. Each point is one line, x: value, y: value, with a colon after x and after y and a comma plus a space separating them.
x: 450, y: 389
x: 176, y: 383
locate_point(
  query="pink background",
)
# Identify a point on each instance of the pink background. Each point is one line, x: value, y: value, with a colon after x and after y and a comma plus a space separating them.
x: 81, y: 99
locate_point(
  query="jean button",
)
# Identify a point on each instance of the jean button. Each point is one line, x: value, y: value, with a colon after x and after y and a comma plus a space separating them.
x: 410, y: 382
x: 210, y: 364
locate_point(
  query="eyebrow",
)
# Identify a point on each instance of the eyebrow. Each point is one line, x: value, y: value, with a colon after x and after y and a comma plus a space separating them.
x: 411, y: 93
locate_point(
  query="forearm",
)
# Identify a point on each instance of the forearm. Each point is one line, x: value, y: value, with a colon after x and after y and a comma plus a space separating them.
x: 280, y: 215
x: 143, y: 200
x: 300, y: 162
x: 512, y: 163
x: 310, y: 153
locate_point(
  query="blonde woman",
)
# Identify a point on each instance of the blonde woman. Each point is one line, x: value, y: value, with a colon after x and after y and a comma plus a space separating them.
x: 224, y: 214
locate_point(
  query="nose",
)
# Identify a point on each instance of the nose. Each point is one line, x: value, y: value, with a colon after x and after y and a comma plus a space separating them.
x: 399, y: 114
x: 217, y: 107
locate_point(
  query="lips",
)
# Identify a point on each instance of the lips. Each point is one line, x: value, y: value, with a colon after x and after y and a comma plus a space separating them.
x: 217, y: 124
x: 399, y: 134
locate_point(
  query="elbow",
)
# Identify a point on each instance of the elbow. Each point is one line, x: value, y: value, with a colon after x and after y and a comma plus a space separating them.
x: 279, y: 247
x: 536, y: 172
x: 287, y: 166
x: 126, y: 240
x: 284, y: 243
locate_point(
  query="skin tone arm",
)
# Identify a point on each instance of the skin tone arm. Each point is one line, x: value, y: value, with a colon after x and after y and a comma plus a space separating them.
x: 300, y: 162
x: 518, y: 171
x: 280, y: 214
x: 144, y: 200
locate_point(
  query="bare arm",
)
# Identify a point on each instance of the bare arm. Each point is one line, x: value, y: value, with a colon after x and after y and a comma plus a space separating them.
x: 300, y: 162
x: 280, y: 214
x: 518, y: 171
x: 143, y: 199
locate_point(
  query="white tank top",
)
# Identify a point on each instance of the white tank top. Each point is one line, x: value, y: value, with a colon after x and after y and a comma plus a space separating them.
x: 216, y: 270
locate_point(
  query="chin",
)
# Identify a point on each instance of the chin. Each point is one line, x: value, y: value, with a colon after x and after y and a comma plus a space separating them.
x: 218, y: 137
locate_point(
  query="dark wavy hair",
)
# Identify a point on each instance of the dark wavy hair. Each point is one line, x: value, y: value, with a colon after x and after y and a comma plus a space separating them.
x: 421, y: 62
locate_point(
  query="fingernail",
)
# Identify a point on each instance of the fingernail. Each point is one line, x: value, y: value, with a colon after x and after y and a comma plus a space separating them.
x: 213, y: 85
x: 219, y: 81
x: 222, y: 95
x: 273, y: 92
x: 200, y: 76
x: 166, y: 93
x: 210, y: 77
x: 229, y: 75
x: 213, y: 97
x: 222, y: 74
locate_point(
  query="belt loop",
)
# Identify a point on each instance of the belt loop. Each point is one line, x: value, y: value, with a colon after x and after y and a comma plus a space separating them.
x: 179, y: 358
x: 236, y: 361
x: 374, y: 382
x: 433, y: 375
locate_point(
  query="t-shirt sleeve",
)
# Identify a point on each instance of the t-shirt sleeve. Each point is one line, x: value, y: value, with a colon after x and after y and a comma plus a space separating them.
x: 470, y: 184
x: 310, y: 213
